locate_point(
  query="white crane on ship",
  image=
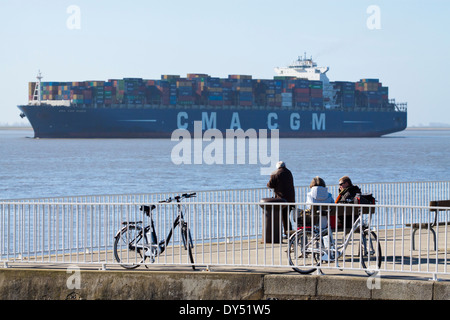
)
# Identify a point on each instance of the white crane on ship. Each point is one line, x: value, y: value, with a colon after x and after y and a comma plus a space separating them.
x: 37, y: 90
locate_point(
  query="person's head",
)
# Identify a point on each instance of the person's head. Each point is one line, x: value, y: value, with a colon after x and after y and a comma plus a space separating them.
x: 317, y: 182
x: 345, y: 182
x: 281, y: 164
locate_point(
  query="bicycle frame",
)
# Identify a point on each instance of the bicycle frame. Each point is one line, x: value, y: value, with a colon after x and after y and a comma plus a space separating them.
x: 339, y: 250
x: 154, y: 238
x: 311, y: 241
x: 357, y: 224
x: 153, y: 241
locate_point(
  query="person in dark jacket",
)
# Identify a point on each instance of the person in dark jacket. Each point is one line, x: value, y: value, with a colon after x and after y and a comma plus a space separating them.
x: 282, y: 183
x: 347, y: 192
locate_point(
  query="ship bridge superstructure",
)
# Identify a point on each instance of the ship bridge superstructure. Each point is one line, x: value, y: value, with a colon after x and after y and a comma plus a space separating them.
x: 304, y: 68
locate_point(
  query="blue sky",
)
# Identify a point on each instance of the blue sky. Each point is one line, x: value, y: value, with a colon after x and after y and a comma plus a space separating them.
x: 408, y: 51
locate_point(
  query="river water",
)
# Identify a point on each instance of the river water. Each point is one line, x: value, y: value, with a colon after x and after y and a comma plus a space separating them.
x: 34, y: 168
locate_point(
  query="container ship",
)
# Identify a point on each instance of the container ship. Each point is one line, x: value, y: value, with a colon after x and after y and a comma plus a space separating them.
x: 300, y: 101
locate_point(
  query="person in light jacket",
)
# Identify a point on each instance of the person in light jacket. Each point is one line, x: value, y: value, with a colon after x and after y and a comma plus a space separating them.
x: 319, y: 194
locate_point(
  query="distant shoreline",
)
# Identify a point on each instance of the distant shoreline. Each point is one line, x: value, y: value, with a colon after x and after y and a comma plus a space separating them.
x: 427, y: 128
x: 15, y: 128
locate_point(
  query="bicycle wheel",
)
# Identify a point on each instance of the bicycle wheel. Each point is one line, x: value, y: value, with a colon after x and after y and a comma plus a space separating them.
x: 188, y: 244
x: 370, y: 252
x: 128, y: 247
x: 301, y: 251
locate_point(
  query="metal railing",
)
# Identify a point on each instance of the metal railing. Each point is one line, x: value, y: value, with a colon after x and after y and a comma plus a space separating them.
x: 395, y: 193
x: 228, y: 229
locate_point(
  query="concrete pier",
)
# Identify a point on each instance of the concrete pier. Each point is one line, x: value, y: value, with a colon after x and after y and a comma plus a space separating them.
x: 46, y: 284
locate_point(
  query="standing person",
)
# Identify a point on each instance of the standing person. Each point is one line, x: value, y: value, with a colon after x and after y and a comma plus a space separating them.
x: 282, y: 183
x: 347, y: 192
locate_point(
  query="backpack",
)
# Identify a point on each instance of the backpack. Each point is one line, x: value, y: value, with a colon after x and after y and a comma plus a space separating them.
x: 366, y: 199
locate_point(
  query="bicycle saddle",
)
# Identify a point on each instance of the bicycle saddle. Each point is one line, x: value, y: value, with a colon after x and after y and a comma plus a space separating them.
x: 147, y: 209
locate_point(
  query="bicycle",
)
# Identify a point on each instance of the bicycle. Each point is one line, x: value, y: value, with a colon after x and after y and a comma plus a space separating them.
x: 134, y: 243
x: 315, y: 244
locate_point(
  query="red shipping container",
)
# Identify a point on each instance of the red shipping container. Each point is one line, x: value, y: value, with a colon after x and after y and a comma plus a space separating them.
x: 301, y: 90
x: 245, y: 103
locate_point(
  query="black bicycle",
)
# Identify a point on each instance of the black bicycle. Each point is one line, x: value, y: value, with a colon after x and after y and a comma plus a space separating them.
x: 134, y: 243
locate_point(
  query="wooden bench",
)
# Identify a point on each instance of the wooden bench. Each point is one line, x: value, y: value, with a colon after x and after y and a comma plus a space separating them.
x: 430, y: 226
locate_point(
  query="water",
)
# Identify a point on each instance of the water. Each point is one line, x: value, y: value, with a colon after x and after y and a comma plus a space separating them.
x: 32, y: 168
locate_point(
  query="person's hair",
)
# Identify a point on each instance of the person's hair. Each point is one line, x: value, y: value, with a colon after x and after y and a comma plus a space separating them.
x: 345, y: 179
x: 317, y: 181
x: 281, y: 164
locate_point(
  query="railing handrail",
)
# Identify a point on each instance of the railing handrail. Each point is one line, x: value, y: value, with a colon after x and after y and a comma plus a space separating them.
x: 138, y: 203
x: 331, y: 186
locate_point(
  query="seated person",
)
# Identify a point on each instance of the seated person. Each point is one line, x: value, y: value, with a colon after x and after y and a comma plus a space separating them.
x: 319, y: 194
x: 347, y: 192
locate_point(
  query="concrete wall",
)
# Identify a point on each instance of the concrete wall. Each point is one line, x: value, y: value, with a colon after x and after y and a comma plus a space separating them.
x: 37, y: 284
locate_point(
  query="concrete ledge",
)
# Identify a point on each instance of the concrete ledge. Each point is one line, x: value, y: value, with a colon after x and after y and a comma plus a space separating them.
x: 32, y: 284
x: 353, y: 288
x: 119, y: 285
x: 335, y: 287
x: 404, y: 290
x: 290, y: 286
x: 316, y: 287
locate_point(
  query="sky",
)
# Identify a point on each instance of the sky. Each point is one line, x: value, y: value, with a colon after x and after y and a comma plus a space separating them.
x: 405, y: 44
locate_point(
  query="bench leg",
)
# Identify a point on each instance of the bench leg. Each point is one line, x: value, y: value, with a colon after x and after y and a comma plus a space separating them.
x: 413, y: 238
x: 434, y: 238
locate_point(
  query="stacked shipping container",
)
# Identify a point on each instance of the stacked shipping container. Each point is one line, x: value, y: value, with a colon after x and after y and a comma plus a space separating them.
x: 301, y: 95
x: 214, y: 92
x: 370, y: 93
x: 316, y: 93
x: 202, y: 89
x: 345, y: 92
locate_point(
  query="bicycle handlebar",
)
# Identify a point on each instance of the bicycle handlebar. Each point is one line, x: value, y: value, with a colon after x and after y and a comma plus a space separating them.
x: 178, y: 198
x: 189, y: 195
x: 147, y: 209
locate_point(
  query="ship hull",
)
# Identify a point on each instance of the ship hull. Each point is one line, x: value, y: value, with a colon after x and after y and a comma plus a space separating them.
x: 148, y: 122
